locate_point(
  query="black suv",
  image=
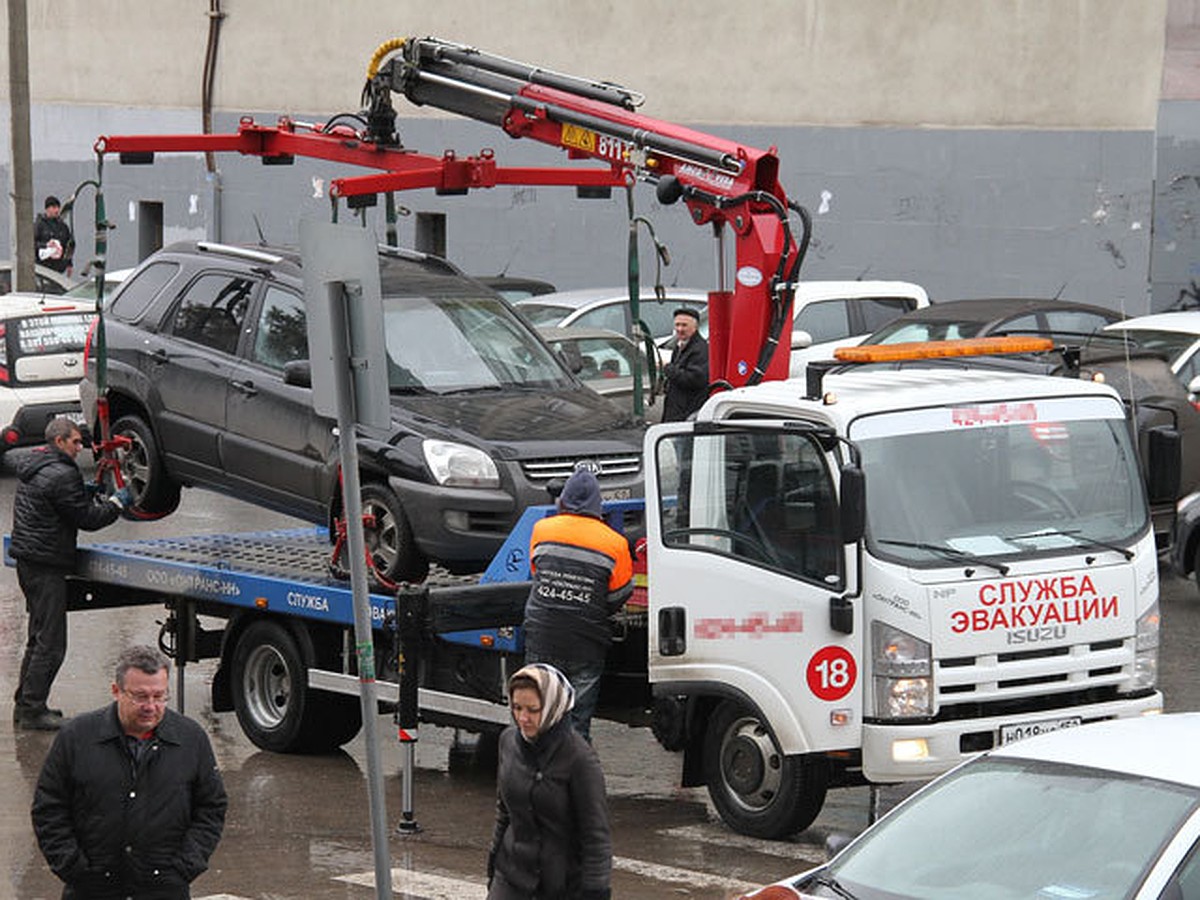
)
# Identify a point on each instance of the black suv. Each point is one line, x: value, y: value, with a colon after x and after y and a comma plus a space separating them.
x: 207, y: 374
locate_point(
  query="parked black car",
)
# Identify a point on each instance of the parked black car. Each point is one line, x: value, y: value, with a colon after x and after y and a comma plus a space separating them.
x: 955, y: 319
x: 207, y: 373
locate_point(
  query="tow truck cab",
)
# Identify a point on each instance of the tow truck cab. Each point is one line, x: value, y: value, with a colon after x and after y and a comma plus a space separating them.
x: 1003, y: 581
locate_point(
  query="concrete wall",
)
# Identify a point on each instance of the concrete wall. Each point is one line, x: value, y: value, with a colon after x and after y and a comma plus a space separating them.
x: 981, y: 147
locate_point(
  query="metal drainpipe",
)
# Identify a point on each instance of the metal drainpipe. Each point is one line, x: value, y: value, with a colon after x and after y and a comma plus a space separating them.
x: 213, y: 175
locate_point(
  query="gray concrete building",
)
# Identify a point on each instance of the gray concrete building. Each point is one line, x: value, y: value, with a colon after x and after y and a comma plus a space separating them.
x: 979, y: 147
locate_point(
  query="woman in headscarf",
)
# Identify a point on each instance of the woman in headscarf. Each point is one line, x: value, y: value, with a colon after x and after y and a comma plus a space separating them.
x: 551, y: 840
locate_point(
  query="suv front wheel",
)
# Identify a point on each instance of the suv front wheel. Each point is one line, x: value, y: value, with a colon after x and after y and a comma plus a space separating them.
x: 388, y: 535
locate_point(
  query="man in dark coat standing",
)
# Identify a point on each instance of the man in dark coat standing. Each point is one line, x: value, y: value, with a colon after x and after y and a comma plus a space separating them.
x: 50, y: 506
x: 53, y: 239
x: 129, y: 802
x: 687, y: 372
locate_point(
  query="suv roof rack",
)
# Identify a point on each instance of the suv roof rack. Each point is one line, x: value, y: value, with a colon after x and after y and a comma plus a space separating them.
x: 243, y: 252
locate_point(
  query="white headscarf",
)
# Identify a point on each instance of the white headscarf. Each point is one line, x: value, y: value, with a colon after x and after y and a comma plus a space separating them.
x: 556, y: 692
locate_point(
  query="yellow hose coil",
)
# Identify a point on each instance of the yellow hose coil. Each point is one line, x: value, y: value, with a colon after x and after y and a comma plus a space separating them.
x: 383, y: 50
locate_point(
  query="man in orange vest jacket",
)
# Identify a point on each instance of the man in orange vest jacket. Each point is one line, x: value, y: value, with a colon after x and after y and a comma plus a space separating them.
x: 582, y: 575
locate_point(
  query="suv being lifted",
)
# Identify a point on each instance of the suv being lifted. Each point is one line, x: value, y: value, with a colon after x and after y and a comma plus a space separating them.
x: 208, y: 375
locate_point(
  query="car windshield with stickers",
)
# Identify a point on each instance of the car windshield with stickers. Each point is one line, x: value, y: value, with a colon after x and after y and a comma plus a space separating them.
x: 999, y: 482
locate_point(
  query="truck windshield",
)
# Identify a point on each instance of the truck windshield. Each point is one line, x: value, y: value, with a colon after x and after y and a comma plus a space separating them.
x: 997, y: 481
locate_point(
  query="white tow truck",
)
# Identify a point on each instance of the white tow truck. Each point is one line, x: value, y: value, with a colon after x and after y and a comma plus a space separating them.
x: 874, y: 577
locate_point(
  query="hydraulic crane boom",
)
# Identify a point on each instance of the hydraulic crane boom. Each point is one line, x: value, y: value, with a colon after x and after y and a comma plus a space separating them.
x: 723, y: 183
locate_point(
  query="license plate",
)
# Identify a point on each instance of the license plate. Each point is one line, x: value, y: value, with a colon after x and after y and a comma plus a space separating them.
x: 76, y: 417
x: 1010, y: 733
x: 617, y: 494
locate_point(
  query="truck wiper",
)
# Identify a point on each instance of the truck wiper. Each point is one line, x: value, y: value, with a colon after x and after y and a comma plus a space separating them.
x: 947, y: 552
x: 1073, y: 533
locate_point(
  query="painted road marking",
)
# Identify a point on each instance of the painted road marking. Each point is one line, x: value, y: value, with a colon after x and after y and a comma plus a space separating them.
x: 689, y: 877
x: 807, y: 854
x: 441, y: 887
x: 422, y: 884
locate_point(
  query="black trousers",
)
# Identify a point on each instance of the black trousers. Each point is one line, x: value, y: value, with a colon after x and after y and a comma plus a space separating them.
x: 45, y: 590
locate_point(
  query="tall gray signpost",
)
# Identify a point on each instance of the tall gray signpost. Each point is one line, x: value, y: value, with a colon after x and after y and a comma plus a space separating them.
x: 349, y: 377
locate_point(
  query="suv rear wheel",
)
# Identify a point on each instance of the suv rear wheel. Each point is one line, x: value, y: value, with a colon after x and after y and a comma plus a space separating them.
x: 142, y: 467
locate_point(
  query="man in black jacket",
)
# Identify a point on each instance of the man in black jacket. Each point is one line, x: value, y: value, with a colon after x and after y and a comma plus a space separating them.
x: 50, y: 506
x: 129, y: 803
x: 687, y: 372
x: 53, y: 239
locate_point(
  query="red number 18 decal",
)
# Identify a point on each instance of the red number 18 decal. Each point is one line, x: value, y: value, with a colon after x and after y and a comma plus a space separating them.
x: 831, y: 673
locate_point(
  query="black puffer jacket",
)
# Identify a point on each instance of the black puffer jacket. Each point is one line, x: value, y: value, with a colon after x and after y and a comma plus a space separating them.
x: 552, y: 836
x: 108, y: 831
x: 50, y: 507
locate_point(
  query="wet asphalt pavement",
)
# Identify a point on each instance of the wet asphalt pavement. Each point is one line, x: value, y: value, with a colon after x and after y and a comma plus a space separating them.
x: 298, y: 826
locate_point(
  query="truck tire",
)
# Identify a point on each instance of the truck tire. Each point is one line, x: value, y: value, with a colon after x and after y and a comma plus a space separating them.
x: 757, y: 790
x: 275, y: 707
x: 389, y: 540
x: 143, y: 469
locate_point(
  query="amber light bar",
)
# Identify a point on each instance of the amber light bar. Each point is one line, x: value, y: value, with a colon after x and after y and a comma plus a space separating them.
x: 939, y: 349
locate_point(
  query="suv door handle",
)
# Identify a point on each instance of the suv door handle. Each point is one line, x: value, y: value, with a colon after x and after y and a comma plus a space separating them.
x: 245, y: 387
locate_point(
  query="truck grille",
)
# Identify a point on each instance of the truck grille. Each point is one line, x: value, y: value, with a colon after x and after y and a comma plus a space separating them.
x: 1007, y: 680
x: 613, y: 465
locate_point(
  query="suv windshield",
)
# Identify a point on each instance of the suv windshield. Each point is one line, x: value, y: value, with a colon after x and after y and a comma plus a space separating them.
x: 454, y: 344
x: 1000, y: 480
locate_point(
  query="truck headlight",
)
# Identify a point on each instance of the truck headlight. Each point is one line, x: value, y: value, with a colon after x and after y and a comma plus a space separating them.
x: 1145, y: 658
x: 903, y: 673
x: 457, y: 465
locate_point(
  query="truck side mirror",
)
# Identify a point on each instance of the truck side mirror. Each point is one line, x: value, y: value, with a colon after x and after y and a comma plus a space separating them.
x: 1164, y: 462
x: 853, y: 507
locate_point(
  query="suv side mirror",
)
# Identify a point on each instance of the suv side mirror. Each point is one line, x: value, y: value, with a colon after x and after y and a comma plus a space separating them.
x: 298, y: 372
x: 801, y: 340
x: 853, y: 506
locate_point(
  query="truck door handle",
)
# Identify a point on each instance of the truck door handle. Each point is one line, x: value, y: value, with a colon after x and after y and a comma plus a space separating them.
x: 245, y: 387
x: 672, y: 631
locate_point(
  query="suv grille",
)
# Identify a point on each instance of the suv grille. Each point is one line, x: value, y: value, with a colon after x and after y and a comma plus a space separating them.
x: 612, y: 465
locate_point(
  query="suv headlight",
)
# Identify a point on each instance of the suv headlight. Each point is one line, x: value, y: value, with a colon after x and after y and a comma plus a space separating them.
x: 1145, y: 658
x: 457, y: 465
x: 903, y: 673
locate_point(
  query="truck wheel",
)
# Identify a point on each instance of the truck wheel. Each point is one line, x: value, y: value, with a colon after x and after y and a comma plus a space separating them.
x: 757, y: 790
x: 389, y: 540
x: 274, y: 704
x: 143, y: 468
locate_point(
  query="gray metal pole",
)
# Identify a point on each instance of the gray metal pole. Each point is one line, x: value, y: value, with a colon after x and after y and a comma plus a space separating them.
x: 21, y: 173
x: 364, y: 644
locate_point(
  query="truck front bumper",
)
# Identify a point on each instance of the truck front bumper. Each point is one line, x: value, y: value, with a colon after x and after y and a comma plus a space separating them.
x: 913, y: 752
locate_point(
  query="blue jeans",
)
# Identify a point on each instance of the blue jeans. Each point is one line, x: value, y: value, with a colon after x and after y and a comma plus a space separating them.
x: 585, y: 678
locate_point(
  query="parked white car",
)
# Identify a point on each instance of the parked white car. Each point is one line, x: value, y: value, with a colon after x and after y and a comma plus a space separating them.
x: 1174, y: 334
x: 832, y: 314
x: 1105, y: 810
x: 608, y: 308
x: 41, y: 363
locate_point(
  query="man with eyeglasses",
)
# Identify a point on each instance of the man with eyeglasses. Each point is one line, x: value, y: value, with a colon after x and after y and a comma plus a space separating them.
x: 50, y: 507
x: 129, y: 802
